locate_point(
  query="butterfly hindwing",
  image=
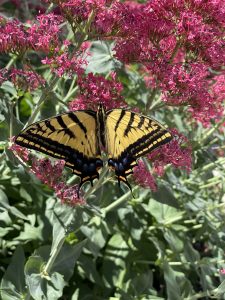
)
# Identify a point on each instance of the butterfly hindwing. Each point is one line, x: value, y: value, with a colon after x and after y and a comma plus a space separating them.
x: 71, y: 136
x: 129, y: 136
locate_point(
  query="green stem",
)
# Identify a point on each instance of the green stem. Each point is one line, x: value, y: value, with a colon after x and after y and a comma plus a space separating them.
x: 11, y: 105
x: 42, y: 99
x: 150, y: 100
x: 210, y: 184
x: 211, y: 131
x: 89, y: 21
x: 70, y: 93
x: 220, y: 161
x: 53, y: 257
x: 118, y: 202
x: 11, y: 62
x: 97, y: 184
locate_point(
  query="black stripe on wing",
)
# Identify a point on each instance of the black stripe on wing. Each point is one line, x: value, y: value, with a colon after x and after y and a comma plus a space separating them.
x: 38, y: 136
x: 122, y: 114
x: 124, y: 164
x: 65, y: 128
x: 129, y: 125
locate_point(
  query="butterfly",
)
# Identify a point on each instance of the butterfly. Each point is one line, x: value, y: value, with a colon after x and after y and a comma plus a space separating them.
x: 78, y: 137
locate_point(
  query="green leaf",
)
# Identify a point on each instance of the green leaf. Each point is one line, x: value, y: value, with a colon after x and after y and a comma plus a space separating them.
x: 114, y: 266
x: 65, y: 220
x: 172, y: 286
x: 50, y: 286
x: 141, y: 283
x: 11, y: 209
x: 13, y: 282
x: 131, y: 221
x: 8, y: 87
x: 65, y: 261
x: 42, y: 286
x: 97, y: 235
x: 101, y: 59
x: 220, y: 291
x: 174, y: 240
x: 30, y: 233
x: 165, y: 195
x: 87, y: 264
x: 164, y: 213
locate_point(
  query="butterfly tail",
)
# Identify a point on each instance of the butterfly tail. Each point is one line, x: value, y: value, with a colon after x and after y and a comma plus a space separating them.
x: 124, y: 180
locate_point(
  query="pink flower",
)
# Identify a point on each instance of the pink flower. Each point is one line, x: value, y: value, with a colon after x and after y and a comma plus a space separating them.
x: 177, y: 152
x: 41, y: 36
x: 95, y: 89
x: 26, y: 80
x: 44, y: 35
x: 222, y: 271
x: 143, y: 177
x: 22, y: 152
x: 68, y: 194
x: 13, y: 37
x: 64, y: 63
x: 50, y: 174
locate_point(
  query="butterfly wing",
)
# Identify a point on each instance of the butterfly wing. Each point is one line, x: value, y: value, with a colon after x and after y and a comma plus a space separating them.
x: 129, y: 136
x: 71, y: 136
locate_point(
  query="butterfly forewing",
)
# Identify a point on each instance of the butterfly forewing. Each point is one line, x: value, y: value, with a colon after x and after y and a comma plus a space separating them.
x: 129, y: 136
x: 72, y: 137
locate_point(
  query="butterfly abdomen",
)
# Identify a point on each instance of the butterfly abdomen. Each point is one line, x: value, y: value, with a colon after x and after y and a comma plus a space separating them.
x: 101, y: 116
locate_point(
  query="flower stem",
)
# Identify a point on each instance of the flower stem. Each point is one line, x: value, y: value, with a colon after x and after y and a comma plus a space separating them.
x: 53, y: 256
x: 42, y: 99
x: 211, y: 131
x: 118, y: 202
x: 99, y: 182
x: 11, y: 62
x: 150, y: 100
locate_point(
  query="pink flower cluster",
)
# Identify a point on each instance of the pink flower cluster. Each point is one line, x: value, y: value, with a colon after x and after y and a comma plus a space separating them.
x: 95, y: 89
x: 51, y: 175
x: 68, y: 194
x: 143, y: 177
x: 15, y: 37
x: 64, y: 62
x: 177, y: 153
x: 26, y: 80
x: 22, y: 152
x: 179, y: 42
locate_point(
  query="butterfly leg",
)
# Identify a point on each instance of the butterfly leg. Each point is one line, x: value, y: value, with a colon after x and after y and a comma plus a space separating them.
x: 87, y: 169
x: 123, y: 167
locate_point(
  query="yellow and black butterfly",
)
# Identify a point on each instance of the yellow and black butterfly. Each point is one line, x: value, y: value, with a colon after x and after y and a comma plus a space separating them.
x: 77, y: 138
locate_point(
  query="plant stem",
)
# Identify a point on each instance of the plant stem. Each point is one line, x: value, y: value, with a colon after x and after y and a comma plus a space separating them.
x: 11, y: 62
x: 211, y: 131
x: 95, y: 186
x: 11, y: 105
x: 150, y: 100
x: 118, y: 202
x: 42, y: 99
x: 53, y: 257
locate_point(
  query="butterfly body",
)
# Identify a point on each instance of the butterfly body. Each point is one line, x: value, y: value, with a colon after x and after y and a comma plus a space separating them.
x: 77, y: 137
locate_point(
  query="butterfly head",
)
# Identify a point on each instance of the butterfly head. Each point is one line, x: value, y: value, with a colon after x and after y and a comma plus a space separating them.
x: 101, y: 109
